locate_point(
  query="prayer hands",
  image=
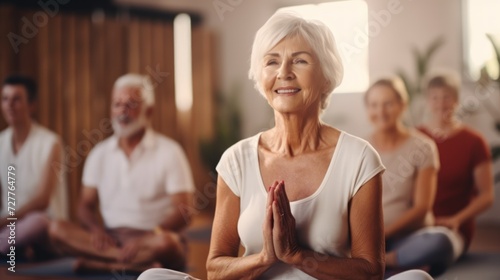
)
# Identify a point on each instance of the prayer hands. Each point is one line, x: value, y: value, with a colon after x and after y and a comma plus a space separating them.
x: 280, y: 240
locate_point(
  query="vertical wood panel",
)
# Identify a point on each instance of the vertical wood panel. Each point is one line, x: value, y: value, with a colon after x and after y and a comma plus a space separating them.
x: 8, y: 56
x: 158, y: 81
x: 76, y: 61
x: 44, y: 76
x: 169, y: 109
x: 57, y: 116
x: 134, y: 46
x: 98, y: 93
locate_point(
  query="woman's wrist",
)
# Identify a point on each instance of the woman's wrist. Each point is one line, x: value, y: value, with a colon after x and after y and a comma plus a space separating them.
x: 296, y: 258
x: 265, y: 259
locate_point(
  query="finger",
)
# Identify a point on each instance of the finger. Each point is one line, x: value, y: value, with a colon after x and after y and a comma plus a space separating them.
x: 277, y: 217
x: 281, y: 199
x: 285, y: 199
x: 98, y: 241
x: 269, y: 218
x: 270, y: 194
x: 111, y: 241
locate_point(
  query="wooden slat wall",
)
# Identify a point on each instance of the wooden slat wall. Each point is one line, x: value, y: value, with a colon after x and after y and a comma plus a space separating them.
x: 76, y: 61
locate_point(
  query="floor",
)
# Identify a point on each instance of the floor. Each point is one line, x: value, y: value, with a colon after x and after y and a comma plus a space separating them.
x: 487, y: 240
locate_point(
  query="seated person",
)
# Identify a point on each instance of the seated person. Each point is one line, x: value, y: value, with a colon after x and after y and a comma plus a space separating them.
x: 35, y: 190
x: 411, y: 161
x: 303, y: 198
x: 465, y: 180
x: 141, y: 182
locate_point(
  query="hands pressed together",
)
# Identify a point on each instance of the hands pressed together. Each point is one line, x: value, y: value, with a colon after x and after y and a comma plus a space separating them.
x: 280, y: 240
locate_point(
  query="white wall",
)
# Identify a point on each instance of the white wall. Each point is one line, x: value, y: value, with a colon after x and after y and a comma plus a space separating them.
x: 416, y: 24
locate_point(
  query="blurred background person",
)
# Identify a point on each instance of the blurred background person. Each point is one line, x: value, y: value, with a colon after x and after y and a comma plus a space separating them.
x: 38, y: 190
x: 465, y: 180
x: 409, y: 182
x: 141, y: 182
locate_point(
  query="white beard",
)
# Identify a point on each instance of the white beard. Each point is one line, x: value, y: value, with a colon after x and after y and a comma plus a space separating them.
x: 130, y: 128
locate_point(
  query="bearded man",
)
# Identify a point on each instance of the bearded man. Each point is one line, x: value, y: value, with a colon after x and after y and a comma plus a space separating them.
x: 138, y: 182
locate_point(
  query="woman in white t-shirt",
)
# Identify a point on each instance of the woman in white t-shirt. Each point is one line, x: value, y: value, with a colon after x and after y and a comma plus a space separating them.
x: 302, y: 198
x: 409, y: 183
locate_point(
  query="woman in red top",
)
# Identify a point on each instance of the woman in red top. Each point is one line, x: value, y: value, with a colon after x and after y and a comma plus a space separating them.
x: 465, y: 185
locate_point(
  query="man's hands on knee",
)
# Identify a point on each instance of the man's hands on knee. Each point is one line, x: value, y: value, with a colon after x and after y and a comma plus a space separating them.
x: 101, y: 240
x: 129, y: 250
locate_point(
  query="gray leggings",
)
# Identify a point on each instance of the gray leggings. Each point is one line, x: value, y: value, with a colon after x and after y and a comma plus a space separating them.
x: 434, y: 249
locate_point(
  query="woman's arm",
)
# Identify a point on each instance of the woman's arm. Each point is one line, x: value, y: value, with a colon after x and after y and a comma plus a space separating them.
x: 423, y: 199
x: 484, y: 199
x: 367, y: 238
x: 223, y: 261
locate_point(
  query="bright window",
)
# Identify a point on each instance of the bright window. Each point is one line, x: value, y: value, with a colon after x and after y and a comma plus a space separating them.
x: 348, y: 21
x: 481, y: 18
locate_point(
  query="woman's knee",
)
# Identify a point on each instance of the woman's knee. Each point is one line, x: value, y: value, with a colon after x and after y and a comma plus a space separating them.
x: 162, y: 273
x: 413, y: 274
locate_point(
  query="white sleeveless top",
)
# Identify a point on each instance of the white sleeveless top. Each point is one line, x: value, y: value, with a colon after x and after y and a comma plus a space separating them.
x: 29, y: 163
x: 321, y: 219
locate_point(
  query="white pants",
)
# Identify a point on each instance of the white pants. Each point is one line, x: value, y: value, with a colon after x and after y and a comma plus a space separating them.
x: 168, y: 274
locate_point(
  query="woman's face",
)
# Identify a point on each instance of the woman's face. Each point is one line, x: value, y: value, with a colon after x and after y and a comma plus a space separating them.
x: 292, y: 79
x: 442, y: 102
x: 384, y: 107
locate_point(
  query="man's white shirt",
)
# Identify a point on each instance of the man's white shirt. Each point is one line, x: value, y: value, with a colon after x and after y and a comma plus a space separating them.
x: 134, y: 192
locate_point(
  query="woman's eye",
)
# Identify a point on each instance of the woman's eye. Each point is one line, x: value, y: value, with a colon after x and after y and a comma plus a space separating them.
x: 271, y: 62
x: 299, y: 61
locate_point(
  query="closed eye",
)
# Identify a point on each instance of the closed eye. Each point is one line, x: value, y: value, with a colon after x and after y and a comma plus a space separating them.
x: 271, y: 62
x: 299, y: 61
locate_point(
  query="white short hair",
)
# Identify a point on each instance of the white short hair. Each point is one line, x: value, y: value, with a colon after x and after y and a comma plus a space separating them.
x: 140, y: 82
x: 316, y: 33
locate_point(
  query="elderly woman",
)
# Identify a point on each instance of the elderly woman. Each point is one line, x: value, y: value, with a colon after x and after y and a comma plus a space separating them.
x: 303, y: 198
x: 465, y: 185
x: 409, y: 183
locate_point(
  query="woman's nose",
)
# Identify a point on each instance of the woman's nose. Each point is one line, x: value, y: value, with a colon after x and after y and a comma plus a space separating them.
x: 284, y: 72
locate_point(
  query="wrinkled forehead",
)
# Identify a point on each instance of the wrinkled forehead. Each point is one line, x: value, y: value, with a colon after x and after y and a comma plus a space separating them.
x: 293, y: 44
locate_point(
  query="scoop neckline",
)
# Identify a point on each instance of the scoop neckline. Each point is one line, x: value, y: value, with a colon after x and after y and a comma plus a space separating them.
x: 262, y: 187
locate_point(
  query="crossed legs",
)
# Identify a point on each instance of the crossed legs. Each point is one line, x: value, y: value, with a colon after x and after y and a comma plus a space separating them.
x: 151, y: 249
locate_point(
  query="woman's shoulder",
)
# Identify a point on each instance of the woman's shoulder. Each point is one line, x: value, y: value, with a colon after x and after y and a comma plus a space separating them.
x: 419, y: 138
x: 350, y: 141
x: 243, y: 147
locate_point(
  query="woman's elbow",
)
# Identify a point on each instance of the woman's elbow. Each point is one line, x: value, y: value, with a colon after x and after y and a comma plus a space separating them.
x: 211, y: 267
x: 489, y: 200
x: 375, y: 270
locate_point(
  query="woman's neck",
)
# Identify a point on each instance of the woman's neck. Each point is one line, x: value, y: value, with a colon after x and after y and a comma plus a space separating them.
x: 390, y: 138
x: 295, y: 134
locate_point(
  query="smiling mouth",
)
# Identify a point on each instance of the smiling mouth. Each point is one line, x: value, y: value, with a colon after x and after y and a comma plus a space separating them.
x: 287, y: 91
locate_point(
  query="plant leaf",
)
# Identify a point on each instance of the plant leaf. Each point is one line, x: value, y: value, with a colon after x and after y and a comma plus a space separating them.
x: 407, y: 83
x: 495, y: 152
x: 496, y: 47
